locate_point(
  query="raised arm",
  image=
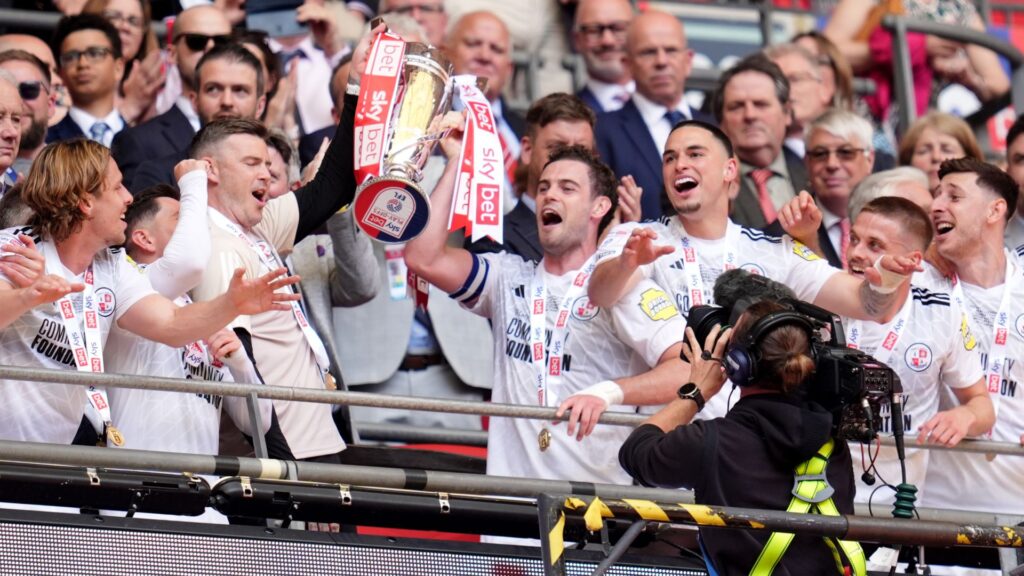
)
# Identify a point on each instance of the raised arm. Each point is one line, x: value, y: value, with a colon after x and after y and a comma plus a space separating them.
x: 847, y: 19
x: 44, y: 289
x: 616, y: 276
x: 872, y: 297
x: 187, y: 253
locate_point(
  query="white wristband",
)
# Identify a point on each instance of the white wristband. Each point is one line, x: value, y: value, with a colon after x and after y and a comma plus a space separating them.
x: 606, y: 390
x: 890, y: 280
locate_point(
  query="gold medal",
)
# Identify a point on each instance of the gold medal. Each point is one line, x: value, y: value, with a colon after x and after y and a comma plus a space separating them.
x: 329, y: 382
x: 544, y: 439
x: 114, y: 436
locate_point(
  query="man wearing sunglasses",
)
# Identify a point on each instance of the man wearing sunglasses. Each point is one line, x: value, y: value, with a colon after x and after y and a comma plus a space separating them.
x: 88, y: 50
x: 196, y: 30
x: 33, y: 78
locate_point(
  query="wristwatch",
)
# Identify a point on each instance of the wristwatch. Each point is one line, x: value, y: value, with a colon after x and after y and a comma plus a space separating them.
x: 690, y: 391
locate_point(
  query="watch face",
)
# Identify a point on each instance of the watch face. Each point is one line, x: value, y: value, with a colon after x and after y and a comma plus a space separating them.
x: 687, y: 390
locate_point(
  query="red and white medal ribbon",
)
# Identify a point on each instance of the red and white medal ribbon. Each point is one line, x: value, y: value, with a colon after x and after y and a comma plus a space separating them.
x: 548, y: 378
x: 378, y: 94
x: 692, y: 268
x: 268, y: 257
x: 479, y: 189
x: 883, y: 352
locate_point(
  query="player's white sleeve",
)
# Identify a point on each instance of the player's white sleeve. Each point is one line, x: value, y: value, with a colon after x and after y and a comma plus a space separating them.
x: 798, y: 267
x: 615, y: 240
x: 187, y: 253
x: 962, y: 366
x: 478, y: 293
x: 647, y: 320
x: 130, y: 286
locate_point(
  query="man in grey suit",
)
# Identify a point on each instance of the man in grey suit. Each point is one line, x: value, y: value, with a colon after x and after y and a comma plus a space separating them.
x: 752, y: 107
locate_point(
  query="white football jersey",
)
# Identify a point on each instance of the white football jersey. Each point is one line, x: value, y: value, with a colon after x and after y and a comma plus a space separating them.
x: 965, y: 481
x: 41, y: 412
x: 932, y: 351
x: 602, y: 344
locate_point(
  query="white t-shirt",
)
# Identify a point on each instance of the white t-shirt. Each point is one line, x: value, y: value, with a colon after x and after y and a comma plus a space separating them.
x: 930, y: 354
x: 963, y: 481
x: 40, y: 412
x: 780, y: 258
x: 602, y: 344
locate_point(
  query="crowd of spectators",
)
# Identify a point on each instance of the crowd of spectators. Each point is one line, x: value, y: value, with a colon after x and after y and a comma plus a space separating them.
x: 137, y: 178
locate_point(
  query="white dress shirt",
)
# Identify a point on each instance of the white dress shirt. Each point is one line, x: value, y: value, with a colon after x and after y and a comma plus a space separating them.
x: 611, y: 96
x: 654, y: 116
x: 313, y: 92
x: 85, y: 121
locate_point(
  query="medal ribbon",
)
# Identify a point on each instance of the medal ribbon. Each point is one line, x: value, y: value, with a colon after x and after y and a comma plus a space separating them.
x: 549, y: 377
x: 883, y: 352
x: 479, y: 190
x: 692, y: 268
x: 378, y: 94
x: 268, y: 257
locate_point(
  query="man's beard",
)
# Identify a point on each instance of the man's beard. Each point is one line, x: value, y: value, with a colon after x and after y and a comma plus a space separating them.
x: 34, y: 136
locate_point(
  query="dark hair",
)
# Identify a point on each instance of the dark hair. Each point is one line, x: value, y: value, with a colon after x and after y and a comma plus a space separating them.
x: 68, y: 25
x: 144, y: 207
x: 910, y: 216
x: 338, y: 95
x: 714, y: 130
x: 15, y: 55
x: 211, y: 135
x: 258, y: 38
x: 1015, y: 131
x: 602, y: 180
x: 785, y: 360
x: 13, y: 210
x: 990, y: 178
x: 554, y: 107
x: 754, y: 63
x: 234, y: 53
x: 279, y: 142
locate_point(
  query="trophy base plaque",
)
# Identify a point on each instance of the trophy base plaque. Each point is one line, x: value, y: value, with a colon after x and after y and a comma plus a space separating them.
x: 391, y: 209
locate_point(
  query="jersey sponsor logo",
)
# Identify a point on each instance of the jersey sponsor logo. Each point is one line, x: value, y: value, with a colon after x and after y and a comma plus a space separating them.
x: 105, y: 302
x: 918, y: 357
x: 51, y: 342
x: 656, y: 304
x: 970, y: 342
x: 583, y: 310
x: 804, y: 252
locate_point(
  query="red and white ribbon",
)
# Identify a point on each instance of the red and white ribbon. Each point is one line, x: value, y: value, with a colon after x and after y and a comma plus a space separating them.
x: 479, y: 189
x: 378, y: 94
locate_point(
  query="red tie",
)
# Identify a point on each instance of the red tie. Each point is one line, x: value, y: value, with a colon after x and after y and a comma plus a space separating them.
x: 510, y: 162
x: 764, y: 199
x: 844, y: 239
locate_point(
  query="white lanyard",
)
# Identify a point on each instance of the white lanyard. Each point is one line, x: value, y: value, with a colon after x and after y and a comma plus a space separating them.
x: 85, y: 338
x: 270, y: 261
x: 549, y: 378
x: 692, y: 267
x: 1000, y: 333
x: 884, y: 349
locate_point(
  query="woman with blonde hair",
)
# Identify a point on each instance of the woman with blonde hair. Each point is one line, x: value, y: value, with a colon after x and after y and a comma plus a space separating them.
x: 935, y: 137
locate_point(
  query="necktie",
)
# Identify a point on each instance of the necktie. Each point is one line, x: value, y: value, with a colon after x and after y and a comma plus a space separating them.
x: 98, y: 132
x: 621, y: 97
x: 674, y: 117
x: 844, y: 239
x: 510, y: 161
x: 764, y: 198
x: 288, y: 55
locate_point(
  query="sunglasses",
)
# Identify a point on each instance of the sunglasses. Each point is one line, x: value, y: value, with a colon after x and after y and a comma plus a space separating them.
x: 199, y: 42
x: 31, y: 90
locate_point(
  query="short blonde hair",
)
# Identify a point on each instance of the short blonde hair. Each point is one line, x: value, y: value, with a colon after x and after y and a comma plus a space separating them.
x: 946, y: 124
x: 60, y: 177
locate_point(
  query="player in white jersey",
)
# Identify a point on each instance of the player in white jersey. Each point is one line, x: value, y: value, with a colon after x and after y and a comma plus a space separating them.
x: 169, y: 242
x: 925, y: 340
x: 61, y: 319
x: 970, y: 210
x: 595, y: 357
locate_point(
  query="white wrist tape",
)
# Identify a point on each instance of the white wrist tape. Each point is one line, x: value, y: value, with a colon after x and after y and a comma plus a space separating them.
x: 890, y: 280
x: 606, y: 390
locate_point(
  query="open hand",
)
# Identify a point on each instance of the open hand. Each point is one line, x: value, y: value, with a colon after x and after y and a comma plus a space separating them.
x: 706, y: 368
x: 50, y: 288
x: 641, y: 250
x: 323, y: 24
x: 629, y: 200
x: 947, y: 428
x: 585, y: 411
x: 21, y: 263
x: 260, y: 295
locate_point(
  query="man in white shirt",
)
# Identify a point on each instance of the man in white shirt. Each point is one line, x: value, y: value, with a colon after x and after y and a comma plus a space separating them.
x: 970, y: 210
x: 89, y: 54
x: 552, y: 347
x: 599, y: 35
x: 61, y: 319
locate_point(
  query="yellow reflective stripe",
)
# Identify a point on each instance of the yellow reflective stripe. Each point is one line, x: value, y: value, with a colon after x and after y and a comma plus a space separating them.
x: 556, y: 542
x: 647, y: 510
x: 772, y: 553
x: 704, y: 515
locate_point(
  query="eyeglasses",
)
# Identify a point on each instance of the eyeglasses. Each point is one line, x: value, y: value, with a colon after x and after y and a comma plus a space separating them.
x: 93, y: 54
x: 116, y: 17
x: 31, y: 90
x: 199, y: 42
x: 595, y: 31
x: 844, y: 154
x: 424, y: 9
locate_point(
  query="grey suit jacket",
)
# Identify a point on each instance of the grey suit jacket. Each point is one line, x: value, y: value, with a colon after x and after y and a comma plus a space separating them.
x: 745, y: 208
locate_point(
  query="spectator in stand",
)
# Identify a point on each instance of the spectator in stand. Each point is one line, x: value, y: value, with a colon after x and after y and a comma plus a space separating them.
x: 478, y: 43
x: 429, y: 14
x: 12, y: 110
x: 752, y: 104
x: 14, y: 213
x: 89, y: 51
x: 143, y: 62
x: 1015, y: 168
x: 935, y: 137
x: 41, y: 50
x: 808, y: 98
x: 631, y: 140
x: 279, y: 113
x: 904, y: 182
x: 836, y: 75
x: 839, y: 156
x: 310, y: 144
x: 196, y: 30
x: 599, y: 36
x: 229, y: 85
x: 33, y: 79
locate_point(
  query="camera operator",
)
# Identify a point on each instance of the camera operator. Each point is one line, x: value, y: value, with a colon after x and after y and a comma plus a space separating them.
x: 750, y: 457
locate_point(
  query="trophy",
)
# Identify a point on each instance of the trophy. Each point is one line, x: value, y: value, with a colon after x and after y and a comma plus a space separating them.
x: 389, y: 205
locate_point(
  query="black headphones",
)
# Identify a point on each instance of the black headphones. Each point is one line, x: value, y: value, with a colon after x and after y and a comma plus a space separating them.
x: 743, y: 357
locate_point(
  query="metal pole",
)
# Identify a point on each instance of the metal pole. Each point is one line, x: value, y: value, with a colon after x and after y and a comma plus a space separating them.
x: 764, y: 13
x: 620, y: 548
x: 903, y: 76
x: 391, y: 432
x: 259, y: 442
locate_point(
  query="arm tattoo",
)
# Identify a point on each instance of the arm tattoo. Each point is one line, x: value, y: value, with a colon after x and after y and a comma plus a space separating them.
x: 875, y: 304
